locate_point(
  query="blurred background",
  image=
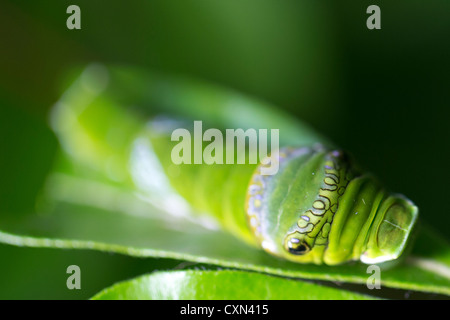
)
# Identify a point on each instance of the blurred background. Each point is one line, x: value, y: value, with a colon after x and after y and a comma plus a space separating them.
x: 383, y: 95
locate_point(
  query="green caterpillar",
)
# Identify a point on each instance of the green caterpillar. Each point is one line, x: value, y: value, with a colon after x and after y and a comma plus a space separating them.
x: 318, y: 208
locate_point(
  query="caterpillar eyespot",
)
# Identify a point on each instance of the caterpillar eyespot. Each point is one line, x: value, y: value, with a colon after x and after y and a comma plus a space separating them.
x: 297, y: 247
x: 319, y: 207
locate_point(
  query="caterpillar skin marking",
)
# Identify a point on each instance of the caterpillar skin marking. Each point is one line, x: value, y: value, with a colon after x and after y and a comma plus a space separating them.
x: 318, y: 208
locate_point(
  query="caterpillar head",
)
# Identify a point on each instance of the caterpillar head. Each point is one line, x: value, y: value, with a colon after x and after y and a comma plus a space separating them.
x: 319, y: 208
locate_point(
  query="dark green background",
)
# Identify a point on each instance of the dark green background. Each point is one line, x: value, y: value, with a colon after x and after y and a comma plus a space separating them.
x: 384, y: 95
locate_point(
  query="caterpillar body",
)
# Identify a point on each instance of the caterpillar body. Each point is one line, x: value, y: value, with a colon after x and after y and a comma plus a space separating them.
x: 320, y: 207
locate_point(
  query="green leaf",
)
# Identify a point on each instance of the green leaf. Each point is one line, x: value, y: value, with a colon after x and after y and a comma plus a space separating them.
x: 220, y: 285
x: 92, y: 215
x: 79, y: 213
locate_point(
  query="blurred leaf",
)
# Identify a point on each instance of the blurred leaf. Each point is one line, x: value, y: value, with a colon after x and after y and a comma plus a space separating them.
x: 220, y: 285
